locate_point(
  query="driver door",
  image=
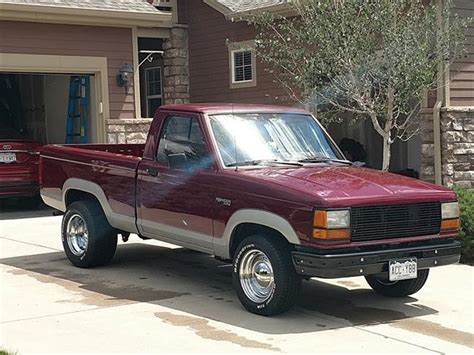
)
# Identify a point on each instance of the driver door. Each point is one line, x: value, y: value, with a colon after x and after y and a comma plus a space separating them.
x: 175, y: 192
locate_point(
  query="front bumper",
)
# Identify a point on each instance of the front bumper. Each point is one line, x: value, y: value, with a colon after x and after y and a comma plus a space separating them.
x: 334, y: 263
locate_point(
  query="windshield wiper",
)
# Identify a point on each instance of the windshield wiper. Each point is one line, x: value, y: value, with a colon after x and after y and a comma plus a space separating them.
x: 324, y: 160
x: 264, y: 161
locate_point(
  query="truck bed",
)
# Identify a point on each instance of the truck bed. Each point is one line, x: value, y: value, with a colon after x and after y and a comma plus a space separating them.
x: 111, y: 166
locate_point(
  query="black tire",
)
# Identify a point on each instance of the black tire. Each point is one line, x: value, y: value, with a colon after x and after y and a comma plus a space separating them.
x: 401, y: 288
x: 102, y: 238
x: 286, y: 285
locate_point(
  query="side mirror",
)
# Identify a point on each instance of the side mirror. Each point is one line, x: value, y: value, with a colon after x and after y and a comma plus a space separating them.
x: 178, y: 161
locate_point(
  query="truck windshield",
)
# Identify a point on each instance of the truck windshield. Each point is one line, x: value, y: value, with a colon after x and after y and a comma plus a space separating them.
x: 262, y: 138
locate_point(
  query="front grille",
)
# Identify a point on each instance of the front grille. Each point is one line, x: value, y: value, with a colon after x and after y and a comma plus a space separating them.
x: 393, y: 221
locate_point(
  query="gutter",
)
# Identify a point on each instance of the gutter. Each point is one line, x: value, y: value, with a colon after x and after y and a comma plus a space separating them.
x: 437, y: 141
x: 53, y: 14
x: 440, y: 100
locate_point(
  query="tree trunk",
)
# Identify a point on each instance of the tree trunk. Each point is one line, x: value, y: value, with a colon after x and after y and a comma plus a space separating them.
x: 386, y: 153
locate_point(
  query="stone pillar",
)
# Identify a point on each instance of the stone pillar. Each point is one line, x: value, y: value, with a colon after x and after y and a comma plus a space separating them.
x: 457, y: 147
x: 176, y: 66
x: 127, y: 131
x: 427, y: 172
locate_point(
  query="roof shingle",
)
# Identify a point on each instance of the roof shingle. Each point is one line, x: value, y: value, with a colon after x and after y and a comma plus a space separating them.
x: 137, y: 6
x: 238, y: 6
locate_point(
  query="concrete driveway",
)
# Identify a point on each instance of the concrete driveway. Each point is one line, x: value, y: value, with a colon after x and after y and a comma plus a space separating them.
x: 156, y: 297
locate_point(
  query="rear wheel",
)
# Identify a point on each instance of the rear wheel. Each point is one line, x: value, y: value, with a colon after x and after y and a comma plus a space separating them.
x: 87, y: 237
x: 264, y: 276
x: 401, y: 288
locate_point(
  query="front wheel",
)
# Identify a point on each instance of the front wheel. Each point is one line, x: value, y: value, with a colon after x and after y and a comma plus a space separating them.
x: 263, y: 275
x: 401, y: 288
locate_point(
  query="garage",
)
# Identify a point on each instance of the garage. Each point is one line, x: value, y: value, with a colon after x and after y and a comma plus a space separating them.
x: 47, y: 108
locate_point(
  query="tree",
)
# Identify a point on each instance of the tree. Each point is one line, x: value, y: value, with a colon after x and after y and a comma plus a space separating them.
x: 374, y: 59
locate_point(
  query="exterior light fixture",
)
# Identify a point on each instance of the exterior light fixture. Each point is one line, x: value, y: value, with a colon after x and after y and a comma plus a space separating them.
x: 124, y: 76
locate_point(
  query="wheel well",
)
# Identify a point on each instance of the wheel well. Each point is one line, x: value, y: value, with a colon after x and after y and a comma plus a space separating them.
x: 245, y: 230
x: 78, y: 195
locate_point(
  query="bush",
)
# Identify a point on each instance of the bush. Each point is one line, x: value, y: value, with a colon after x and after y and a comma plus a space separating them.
x: 466, y: 234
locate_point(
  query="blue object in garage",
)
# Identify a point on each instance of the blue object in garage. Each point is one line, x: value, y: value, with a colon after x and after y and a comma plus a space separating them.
x: 78, y: 110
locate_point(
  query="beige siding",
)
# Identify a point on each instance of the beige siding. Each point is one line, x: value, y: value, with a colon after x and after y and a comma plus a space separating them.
x: 462, y: 71
x: 51, y: 39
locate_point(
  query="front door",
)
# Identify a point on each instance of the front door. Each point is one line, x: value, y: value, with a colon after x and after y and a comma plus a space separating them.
x: 175, y: 190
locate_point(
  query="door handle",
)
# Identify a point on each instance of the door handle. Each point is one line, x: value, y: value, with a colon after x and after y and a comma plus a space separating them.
x: 152, y: 172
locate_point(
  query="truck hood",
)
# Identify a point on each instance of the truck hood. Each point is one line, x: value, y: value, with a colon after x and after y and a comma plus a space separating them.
x: 343, y: 186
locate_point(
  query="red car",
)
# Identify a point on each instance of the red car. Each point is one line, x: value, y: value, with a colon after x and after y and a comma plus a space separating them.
x: 19, y: 160
x: 262, y: 187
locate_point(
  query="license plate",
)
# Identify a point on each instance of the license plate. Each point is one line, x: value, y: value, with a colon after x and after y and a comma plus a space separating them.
x: 402, y: 269
x: 7, y: 157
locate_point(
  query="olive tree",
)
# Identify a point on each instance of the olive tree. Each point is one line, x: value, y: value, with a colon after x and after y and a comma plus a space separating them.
x: 373, y: 59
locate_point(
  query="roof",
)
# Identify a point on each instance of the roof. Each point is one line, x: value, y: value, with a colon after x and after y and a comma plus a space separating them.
x: 240, y: 8
x: 117, y: 13
x: 237, y: 6
x: 140, y: 6
x: 213, y: 108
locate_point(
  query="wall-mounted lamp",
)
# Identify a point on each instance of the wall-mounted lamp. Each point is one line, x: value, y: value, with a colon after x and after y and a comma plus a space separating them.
x: 124, y: 76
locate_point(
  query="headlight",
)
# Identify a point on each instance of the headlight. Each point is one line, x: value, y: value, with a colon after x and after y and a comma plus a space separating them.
x: 338, y: 219
x: 449, y: 210
x: 333, y: 224
x: 449, y: 217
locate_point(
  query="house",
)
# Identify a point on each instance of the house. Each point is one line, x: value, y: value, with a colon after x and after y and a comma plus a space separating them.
x: 223, y: 68
x: 176, y: 51
x: 114, y: 47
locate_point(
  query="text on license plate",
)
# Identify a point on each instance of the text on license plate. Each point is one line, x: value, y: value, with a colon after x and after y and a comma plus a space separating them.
x: 402, y: 269
x: 7, y: 157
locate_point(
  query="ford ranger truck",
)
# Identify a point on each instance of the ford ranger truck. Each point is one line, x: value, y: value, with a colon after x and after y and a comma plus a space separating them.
x: 263, y: 187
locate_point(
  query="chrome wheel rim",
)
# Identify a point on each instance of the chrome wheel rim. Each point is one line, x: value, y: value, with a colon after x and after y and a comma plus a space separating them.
x: 77, y: 235
x: 256, y: 276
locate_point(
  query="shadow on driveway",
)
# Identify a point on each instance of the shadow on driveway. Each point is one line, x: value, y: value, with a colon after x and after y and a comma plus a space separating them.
x: 18, y: 208
x: 196, y: 283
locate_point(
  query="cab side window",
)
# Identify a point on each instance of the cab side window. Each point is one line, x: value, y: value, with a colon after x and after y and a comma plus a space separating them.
x: 182, y: 144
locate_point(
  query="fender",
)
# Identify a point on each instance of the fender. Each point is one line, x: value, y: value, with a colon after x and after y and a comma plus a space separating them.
x: 222, y: 245
x: 116, y: 220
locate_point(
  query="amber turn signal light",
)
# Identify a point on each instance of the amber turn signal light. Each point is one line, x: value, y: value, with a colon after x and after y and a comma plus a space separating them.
x: 450, y: 224
x: 320, y: 219
x: 320, y: 233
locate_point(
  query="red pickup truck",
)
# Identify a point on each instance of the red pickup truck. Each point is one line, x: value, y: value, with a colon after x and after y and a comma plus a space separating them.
x: 263, y: 187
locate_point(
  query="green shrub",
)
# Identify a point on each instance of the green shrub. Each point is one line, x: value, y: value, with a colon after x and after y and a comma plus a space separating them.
x: 466, y: 203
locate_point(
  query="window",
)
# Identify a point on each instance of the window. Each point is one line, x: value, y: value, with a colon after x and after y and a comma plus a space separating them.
x: 242, y: 65
x: 153, y: 90
x: 183, y: 136
x: 246, y: 137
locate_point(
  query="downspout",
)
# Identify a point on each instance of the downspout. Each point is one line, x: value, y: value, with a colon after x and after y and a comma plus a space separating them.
x: 437, y: 108
x: 437, y: 141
